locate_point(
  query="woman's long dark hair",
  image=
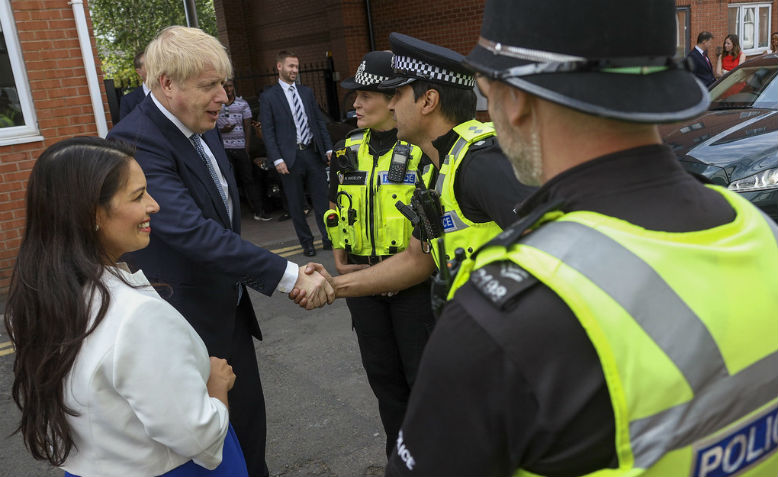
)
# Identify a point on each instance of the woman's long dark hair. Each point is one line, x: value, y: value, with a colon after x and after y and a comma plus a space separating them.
x: 55, y: 278
x: 735, y: 45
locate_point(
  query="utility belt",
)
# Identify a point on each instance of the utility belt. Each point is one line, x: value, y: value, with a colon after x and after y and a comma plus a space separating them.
x: 366, y: 259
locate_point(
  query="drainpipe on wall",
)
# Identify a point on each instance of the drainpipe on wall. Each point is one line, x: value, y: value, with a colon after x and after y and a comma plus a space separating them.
x: 89, y: 64
x: 370, y: 36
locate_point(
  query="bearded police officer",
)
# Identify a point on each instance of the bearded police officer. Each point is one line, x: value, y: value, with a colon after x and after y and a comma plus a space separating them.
x: 626, y: 324
x: 434, y: 105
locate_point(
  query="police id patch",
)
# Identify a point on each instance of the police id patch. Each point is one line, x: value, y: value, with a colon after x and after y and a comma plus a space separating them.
x: 502, y: 282
x: 353, y: 178
x: 739, y: 448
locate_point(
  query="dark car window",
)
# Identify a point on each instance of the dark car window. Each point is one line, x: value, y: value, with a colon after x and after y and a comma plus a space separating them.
x: 747, y: 87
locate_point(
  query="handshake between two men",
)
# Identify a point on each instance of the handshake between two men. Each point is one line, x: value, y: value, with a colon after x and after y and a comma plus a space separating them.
x: 314, y: 287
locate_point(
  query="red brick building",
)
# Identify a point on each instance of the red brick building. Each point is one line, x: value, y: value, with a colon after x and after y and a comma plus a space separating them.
x: 47, y: 93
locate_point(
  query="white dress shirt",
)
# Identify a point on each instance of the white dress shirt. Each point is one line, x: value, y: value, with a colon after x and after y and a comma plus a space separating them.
x: 139, y: 387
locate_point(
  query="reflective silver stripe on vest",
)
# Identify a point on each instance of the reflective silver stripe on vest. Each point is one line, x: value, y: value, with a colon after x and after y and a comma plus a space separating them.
x: 662, y: 314
x: 461, y: 143
x: 708, y: 411
x: 675, y: 328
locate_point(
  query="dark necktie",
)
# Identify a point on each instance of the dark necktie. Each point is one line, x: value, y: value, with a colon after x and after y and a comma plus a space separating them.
x: 198, y: 144
x: 300, y: 120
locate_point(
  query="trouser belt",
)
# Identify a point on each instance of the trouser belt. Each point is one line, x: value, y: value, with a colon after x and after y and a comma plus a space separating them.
x: 303, y: 147
x: 366, y: 259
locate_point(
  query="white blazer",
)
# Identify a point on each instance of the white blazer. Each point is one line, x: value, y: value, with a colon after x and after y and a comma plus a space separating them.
x: 138, y: 385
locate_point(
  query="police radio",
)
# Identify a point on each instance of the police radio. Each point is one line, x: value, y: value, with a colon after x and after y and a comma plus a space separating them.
x: 399, y: 164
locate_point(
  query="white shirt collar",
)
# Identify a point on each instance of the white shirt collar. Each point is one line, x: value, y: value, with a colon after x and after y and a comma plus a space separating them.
x: 184, y: 130
x: 699, y: 49
x: 146, y: 89
x: 285, y: 85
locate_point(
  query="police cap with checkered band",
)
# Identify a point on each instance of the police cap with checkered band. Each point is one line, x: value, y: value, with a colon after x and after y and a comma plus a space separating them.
x: 375, y: 68
x: 614, y: 60
x: 416, y: 59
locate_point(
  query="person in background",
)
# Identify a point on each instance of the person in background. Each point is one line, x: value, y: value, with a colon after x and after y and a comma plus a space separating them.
x: 392, y: 328
x: 134, y: 97
x: 234, y: 124
x: 196, y: 248
x: 730, y: 56
x: 703, y: 69
x: 110, y: 379
x: 299, y: 145
x: 604, y: 333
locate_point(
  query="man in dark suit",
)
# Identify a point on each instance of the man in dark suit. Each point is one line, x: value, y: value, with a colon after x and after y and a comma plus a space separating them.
x: 195, y: 246
x: 699, y: 56
x: 297, y: 142
x: 134, y: 97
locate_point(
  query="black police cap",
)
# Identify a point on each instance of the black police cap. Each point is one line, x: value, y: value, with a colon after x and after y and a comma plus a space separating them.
x: 375, y: 68
x: 416, y: 59
x: 615, y: 62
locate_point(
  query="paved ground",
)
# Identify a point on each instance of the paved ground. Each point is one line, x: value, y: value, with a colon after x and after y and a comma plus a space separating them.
x: 322, y: 415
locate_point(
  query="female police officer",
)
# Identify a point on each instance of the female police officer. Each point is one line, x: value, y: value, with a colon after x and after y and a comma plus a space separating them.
x: 371, y: 171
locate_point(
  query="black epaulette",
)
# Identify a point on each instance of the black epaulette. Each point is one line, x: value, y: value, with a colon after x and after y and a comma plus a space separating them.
x: 502, y: 282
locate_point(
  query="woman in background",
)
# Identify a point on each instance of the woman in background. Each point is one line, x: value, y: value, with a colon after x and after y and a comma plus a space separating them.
x: 110, y: 379
x: 730, y: 57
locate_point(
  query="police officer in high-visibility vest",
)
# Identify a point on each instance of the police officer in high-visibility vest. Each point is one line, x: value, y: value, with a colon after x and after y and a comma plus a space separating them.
x: 370, y: 172
x: 627, y: 324
x: 434, y: 105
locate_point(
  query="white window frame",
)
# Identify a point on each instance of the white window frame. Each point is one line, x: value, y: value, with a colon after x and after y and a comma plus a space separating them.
x: 28, y: 132
x: 740, y: 14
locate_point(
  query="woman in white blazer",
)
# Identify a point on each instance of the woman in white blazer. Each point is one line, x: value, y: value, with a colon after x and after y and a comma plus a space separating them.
x: 110, y: 379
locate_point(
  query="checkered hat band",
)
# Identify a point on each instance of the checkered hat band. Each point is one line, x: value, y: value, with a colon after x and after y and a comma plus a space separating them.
x: 419, y: 69
x: 368, y: 79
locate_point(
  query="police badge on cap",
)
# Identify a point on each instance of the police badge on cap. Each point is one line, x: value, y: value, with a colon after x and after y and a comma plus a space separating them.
x: 606, y: 61
x: 372, y: 71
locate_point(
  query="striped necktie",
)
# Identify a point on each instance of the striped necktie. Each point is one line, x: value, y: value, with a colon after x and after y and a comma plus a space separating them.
x: 198, y: 144
x: 300, y: 120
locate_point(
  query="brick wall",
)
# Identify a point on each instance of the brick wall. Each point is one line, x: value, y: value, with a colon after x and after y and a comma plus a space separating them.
x: 57, y: 79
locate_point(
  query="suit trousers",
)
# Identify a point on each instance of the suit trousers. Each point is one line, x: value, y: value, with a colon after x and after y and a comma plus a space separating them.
x: 247, y: 401
x: 392, y: 332
x: 307, y: 171
x: 244, y: 175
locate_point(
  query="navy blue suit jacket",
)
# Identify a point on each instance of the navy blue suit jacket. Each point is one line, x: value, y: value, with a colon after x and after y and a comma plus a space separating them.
x: 279, y: 130
x: 195, y: 248
x: 129, y: 101
x: 702, y: 70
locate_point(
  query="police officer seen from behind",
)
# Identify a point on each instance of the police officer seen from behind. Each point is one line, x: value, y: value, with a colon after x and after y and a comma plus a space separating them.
x: 434, y: 105
x: 626, y: 324
x: 371, y: 171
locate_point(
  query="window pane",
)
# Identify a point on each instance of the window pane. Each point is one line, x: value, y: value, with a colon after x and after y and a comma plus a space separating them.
x: 748, y: 28
x: 764, y: 26
x: 10, y: 109
x: 732, y: 16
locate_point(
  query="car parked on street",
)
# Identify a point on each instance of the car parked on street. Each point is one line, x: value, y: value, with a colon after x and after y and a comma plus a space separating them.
x: 735, y: 143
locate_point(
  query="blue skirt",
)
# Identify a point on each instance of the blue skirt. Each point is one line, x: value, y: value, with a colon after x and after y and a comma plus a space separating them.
x: 233, y: 464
